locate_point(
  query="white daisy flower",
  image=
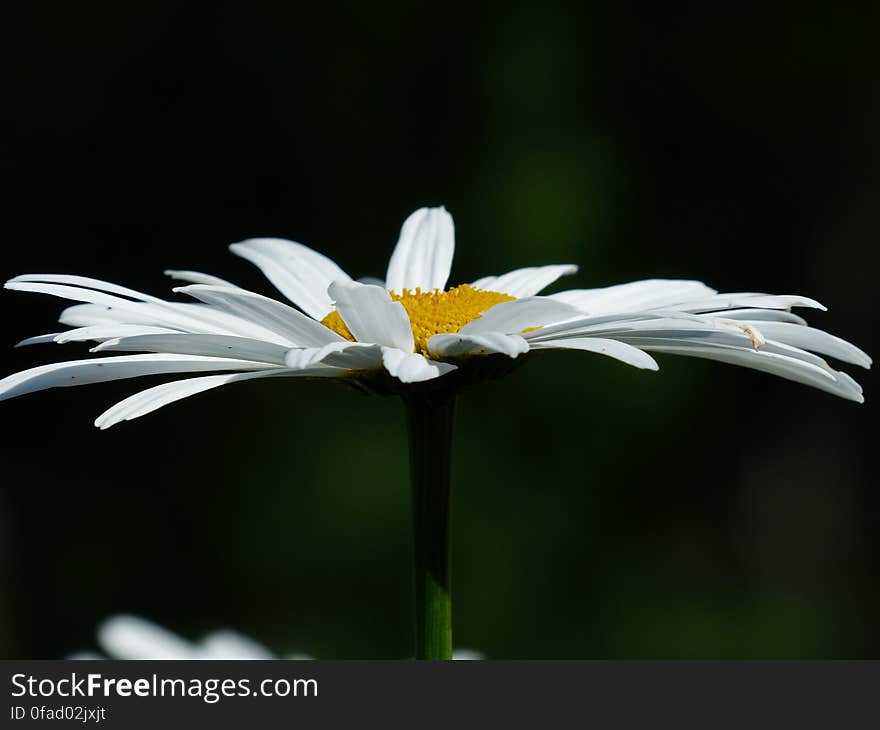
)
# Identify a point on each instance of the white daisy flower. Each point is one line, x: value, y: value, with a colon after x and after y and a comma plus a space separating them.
x: 125, y: 636
x: 409, y: 329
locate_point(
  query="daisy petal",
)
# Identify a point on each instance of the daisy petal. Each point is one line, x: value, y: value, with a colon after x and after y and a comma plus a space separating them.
x: 612, y: 348
x: 356, y: 356
x: 84, y: 282
x: 301, y: 358
x: 763, y: 315
x: 371, y: 315
x: 130, y: 637
x: 520, y: 314
x: 485, y: 283
x: 38, y: 339
x: 180, y: 343
x: 75, y: 293
x: 152, y: 399
x: 197, y: 277
x: 297, y: 271
x: 783, y: 366
x: 409, y: 367
x: 467, y: 655
x: 455, y: 345
x: 525, y: 282
x: 173, y: 315
x: 635, y: 295
x: 815, y: 340
x: 737, y: 300
x: 110, y: 331
x: 95, y: 333
x: 724, y: 341
x: 227, y: 644
x: 298, y: 329
x: 89, y: 315
x: 673, y: 325
x: 606, y: 324
x: 99, y: 370
x: 339, y: 355
x: 422, y: 258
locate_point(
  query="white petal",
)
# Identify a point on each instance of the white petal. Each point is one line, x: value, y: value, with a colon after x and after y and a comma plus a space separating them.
x: 372, y: 316
x: 775, y: 363
x: 298, y: 272
x: 815, y: 340
x: 467, y: 655
x: 109, y: 331
x: 612, y: 348
x: 344, y: 356
x: 152, y: 399
x: 240, y: 348
x: 130, y: 637
x: 455, y: 345
x: 197, y: 277
x: 75, y: 293
x: 173, y: 315
x: 84, y: 282
x: 635, y: 295
x: 38, y: 339
x: 520, y: 314
x: 301, y: 358
x: 412, y: 367
x: 722, y: 340
x: 525, y: 282
x: 227, y: 644
x: 99, y: 370
x: 297, y: 329
x: 484, y: 283
x: 606, y: 324
x: 763, y: 315
x: 422, y: 258
x: 372, y: 281
x: 89, y: 315
x: 94, y: 333
x: 674, y: 326
x: 356, y: 356
x: 738, y: 300
x: 185, y: 317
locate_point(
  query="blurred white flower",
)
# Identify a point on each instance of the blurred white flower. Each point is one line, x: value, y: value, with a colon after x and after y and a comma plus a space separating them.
x: 408, y: 329
x: 130, y: 637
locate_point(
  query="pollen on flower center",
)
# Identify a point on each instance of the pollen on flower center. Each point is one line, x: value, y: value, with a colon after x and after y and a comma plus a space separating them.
x: 433, y: 313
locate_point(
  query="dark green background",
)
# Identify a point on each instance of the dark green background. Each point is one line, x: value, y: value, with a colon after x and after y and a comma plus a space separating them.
x: 600, y: 511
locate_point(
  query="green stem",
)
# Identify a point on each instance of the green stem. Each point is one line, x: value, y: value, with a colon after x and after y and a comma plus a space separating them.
x: 430, y: 442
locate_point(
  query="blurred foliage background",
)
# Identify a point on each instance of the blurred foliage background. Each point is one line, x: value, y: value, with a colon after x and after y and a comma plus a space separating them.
x: 600, y: 511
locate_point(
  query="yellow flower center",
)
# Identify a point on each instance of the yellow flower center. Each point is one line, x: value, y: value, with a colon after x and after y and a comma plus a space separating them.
x: 433, y: 313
